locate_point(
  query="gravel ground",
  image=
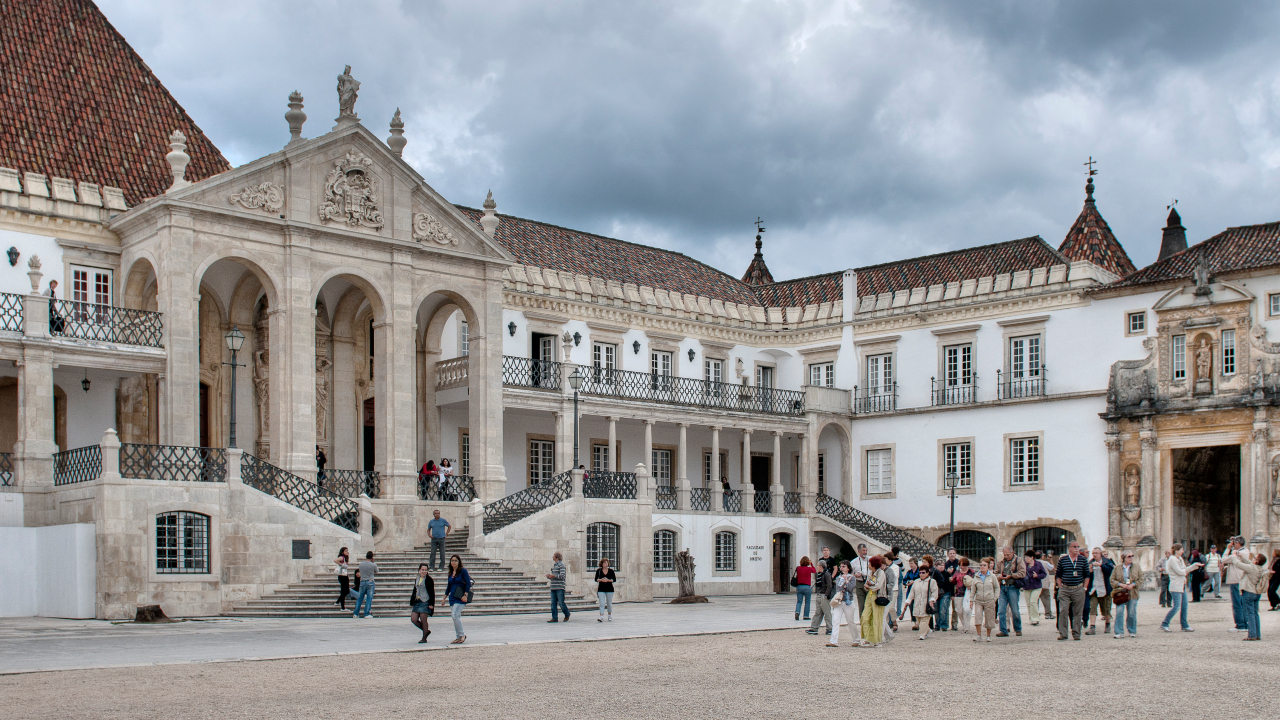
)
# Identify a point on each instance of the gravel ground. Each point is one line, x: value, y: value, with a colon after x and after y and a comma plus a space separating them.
x: 755, y: 674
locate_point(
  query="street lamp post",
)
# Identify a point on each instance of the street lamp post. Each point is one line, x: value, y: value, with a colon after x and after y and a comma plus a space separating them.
x: 575, y: 382
x: 235, y: 341
x: 951, y: 480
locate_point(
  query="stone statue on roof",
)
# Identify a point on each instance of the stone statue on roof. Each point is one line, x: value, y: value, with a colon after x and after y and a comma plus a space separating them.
x: 348, y: 87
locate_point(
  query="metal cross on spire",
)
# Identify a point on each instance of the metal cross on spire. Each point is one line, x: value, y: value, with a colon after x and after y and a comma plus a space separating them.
x: 759, y: 227
x: 1090, y: 165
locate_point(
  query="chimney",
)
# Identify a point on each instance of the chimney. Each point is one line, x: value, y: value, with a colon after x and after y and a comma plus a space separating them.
x: 1175, y: 236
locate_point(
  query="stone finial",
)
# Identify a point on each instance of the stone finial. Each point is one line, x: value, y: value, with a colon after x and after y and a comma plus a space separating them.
x: 295, y: 117
x: 178, y: 159
x: 490, y: 220
x: 397, y: 142
x: 33, y: 272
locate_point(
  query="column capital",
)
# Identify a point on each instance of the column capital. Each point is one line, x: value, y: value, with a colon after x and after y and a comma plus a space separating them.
x: 716, y: 428
x: 778, y: 433
x: 612, y: 418
x: 683, y: 424
x: 649, y: 421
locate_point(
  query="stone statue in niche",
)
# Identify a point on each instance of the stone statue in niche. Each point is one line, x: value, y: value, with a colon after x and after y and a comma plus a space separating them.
x: 348, y: 89
x: 1204, y: 361
x: 322, y: 397
x: 1132, y: 486
x: 262, y: 388
x: 1275, y: 483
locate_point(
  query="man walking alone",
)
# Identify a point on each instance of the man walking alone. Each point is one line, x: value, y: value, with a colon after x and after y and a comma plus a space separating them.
x: 1011, y: 571
x: 438, y: 529
x: 1071, y: 572
x: 368, y: 572
x: 557, y: 576
x: 823, y: 588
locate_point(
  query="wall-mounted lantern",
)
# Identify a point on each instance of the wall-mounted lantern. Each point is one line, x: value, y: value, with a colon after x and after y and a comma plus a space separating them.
x: 511, y: 328
x: 635, y: 347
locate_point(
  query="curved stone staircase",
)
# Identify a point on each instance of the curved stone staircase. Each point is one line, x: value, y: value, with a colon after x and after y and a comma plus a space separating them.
x: 498, y: 590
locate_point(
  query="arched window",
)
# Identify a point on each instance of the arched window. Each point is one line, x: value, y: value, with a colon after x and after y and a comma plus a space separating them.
x: 664, y: 551
x: 726, y: 551
x: 973, y: 544
x: 1043, y: 539
x: 182, y: 543
x: 602, y: 542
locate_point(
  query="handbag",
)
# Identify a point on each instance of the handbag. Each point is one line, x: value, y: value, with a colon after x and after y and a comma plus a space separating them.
x: 1120, y: 596
x: 882, y: 601
x: 931, y: 607
x: 794, y: 581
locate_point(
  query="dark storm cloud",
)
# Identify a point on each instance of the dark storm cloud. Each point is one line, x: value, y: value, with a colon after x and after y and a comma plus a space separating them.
x: 861, y: 132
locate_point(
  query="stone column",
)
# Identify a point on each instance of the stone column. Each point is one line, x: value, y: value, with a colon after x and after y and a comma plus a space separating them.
x: 1115, y: 483
x: 808, y: 477
x: 178, y: 298
x: 615, y: 464
x: 715, y: 457
x: 682, y: 475
x: 484, y: 370
x: 1258, y: 494
x: 648, y: 441
x: 748, y: 490
x: 775, y: 487
x: 396, y: 385
x: 1151, y: 491
x: 292, y: 335
x: 34, y: 448
x: 564, y: 440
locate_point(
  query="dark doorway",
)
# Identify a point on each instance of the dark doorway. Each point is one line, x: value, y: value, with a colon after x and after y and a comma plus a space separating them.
x: 204, y: 415
x: 1206, y: 495
x: 782, y: 562
x: 973, y: 544
x: 761, y: 470
x: 368, y: 435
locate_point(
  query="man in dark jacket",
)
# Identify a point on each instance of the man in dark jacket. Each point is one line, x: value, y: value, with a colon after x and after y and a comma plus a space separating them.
x: 824, y: 588
x: 1099, y: 584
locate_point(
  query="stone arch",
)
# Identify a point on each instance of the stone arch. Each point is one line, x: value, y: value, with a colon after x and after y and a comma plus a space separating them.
x: 433, y: 312
x: 839, y: 478
x: 361, y: 280
x: 347, y: 302
x: 140, y: 284
x: 270, y: 283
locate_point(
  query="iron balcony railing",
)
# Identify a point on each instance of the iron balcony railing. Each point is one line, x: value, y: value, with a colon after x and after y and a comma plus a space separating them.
x: 6, y: 470
x: 652, y: 387
x: 944, y: 394
x: 528, y: 501
x: 91, y: 321
x: 351, y: 483
x: 454, y: 488
x: 78, y: 465
x: 665, y: 499
x: 700, y: 499
x: 173, y: 462
x: 1014, y: 387
x: 529, y: 373
x: 764, y: 502
x: 609, y: 485
x: 875, y: 399
x: 10, y: 312
x: 875, y: 528
x: 791, y: 503
x: 733, y: 501
x: 299, y: 492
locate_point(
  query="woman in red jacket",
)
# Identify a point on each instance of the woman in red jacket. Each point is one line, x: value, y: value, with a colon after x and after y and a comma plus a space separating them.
x: 804, y: 586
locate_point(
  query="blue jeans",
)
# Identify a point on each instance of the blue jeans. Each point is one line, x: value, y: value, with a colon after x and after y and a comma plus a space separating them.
x: 1007, y: 603
x: 366, y: 597
x: 942, y: 619
x: 1237, y: 607
x: 437, y: 544
x: 455, y: 611
x: 1215, y: 583
x: 1249, y: 604
x: 557, y: 602
x: 1131, y: 608
x: 804, y: 595
x: 1179, y: 604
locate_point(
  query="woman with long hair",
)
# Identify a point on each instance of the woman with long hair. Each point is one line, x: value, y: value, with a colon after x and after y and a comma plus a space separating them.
x: 843, y: 604
x: 458, y: 589
x: 605, y: 578
x: 422, y: 601
x: 344, y: 581
x: 872, y: 611
x: 429, y: 478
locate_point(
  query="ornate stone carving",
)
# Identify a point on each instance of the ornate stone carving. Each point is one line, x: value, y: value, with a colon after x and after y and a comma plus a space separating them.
x: 426, y: 227
x: 1258, y: 339
x: 1132, y: 486
x: 351, y: 193
x: 262, y: 389
x: 1131, y: 380
x: 322, y: 397
x: 268, y: 196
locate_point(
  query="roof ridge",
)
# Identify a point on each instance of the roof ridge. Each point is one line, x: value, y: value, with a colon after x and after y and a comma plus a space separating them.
x: 946, y: 253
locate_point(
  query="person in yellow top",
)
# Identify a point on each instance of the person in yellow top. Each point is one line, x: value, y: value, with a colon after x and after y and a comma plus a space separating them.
x: 873, y: 612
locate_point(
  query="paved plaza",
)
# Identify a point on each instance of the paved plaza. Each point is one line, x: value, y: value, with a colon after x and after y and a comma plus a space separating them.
x: 676, y: 662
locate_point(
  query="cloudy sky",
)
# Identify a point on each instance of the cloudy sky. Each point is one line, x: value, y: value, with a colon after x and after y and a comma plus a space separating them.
x: 861, y: 132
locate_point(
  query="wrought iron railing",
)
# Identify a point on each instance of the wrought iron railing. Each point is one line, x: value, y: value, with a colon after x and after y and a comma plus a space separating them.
x: 77, y: 465
x: 609, y: 485
x: 528, y: 501
x: 665, y: 499
x: 451, y: 373
x: 944, y: 394
x: 631, y: 385
x: 299, y: 492
x: 875, y: 528
x: 530, y: 373
x: 763, y: 502
x: 91, y: 321
x: 173, y: 462
x: 732, y: 501
x: 7, y: 478
x: 1012, y: 388
x: 351, y: 483
x: 791, y: 503
x: 700, y: 499
x: 454, y: 488
x: 10, y: 312
x: 874, y: 400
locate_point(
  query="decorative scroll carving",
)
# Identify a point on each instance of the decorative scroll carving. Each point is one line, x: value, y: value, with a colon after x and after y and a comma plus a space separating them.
x: 268, y: 196
x: 351, y: 193
x: 426, y: 227
x: 1131, y: 380
x: 1258, y: 339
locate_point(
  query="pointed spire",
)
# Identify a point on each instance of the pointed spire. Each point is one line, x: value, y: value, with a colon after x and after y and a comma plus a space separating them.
x: 397, y: 142
x: 490, y: 220
x: 758, y: 272
x: 295, y: 117
x: 1090, y: 238
x: 1174, y: 239
x: 178, y: 159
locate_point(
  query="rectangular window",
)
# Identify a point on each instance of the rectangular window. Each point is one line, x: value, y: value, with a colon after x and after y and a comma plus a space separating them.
x: 600, y: 457
x: 604, y: 360
x: 822, y: 473
x: 822, y: 374
x: 713, y: 371
x: 880, y: 374
x: 706, y: 468
x: 879, y: 471
x: 662, y: 466
x: 664, y: 551
x: 1024, y: 357
x: 1228, y: 352
x: 1179, y: 357
x: 1024, y: 461
x: 542, y: 459
x: 764, y: 376
x: 1274, y: 301
x: 90, y: 285
x: 182, y: 543
x: 726, y: 552
x: 464, y: 344
x: 1137, y: 323
x: 602, y: 543
x: 464, y: 454
x: 958, y: 365
x: 957, y: 459
x: 660, y: 363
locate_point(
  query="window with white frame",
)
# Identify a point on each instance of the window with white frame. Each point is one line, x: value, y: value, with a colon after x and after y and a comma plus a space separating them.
x: 726, y: 551
x: 879, y: 471
x: 764, y: 376
x: 602, y: 543
x: 957, y: 459
x: 822, y: 374
x: 880, y: 374
x: 662, y: 466
x: 707, y: 480
x: 182, y: 543
x: 958, y: 365
x: 713, y: 374
x: 664, y: 551
x: 1273, y: 301
x: 1179, y: 357
x: 1024, y: 461
x: 822, y: 473
x: 542, y: 454
x: 660, y: 363
x: 600, y: 457
x: 90, y: 285
x: 1024, y: 357
x: 464, y: 454
x: 464, y: 345
x: 1228, y: 352
x: 1138, y: 323
x: 604, y: 359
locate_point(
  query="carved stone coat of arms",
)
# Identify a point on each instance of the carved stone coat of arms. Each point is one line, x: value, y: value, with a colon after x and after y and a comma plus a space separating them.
x: 351, y: 193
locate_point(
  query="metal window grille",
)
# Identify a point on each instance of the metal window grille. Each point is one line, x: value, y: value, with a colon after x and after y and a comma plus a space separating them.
x: 822, y: 473
x: 10, y: 312
x: 726, y: 551
x: 661, y: 466
x: 1024, y: 461
x: 957, y: 458
x: 1043, y: 539
x: 1228, y: 352
x: 1138, y: 322
x: 664, y: 551
x: 464, y: 453
x: 879, y: 471
x: 182, y: 543
x: 1180, y: 356
x: 602, y: 542
x: 541, y: 461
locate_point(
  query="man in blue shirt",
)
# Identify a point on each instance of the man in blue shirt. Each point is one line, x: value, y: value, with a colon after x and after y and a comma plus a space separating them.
x: 438, y: 528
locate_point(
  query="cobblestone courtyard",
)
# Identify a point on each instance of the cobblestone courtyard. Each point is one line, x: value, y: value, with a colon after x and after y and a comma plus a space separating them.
x: 779, y: 673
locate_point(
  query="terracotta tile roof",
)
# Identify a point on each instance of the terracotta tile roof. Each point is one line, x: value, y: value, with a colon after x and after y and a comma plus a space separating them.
x: 957, y: 265
x: 1234, y: 249
x: 1091, y: 239
x: 550, y: 246
x: 828, y: 287
x: 77, y: 102
x: 757, y: 272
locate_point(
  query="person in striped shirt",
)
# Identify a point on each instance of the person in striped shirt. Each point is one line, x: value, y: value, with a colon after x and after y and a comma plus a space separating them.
x: 557, y: 576
x: 1072, y: 570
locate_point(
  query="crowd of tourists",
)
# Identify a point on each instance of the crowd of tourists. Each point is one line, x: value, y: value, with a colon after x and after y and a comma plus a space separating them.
x: 876, y: 595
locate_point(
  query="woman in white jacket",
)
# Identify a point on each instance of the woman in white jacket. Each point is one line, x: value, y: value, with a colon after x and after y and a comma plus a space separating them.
x: 924, y: 594
x: 844, y: 606
x: 1177, y: 572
